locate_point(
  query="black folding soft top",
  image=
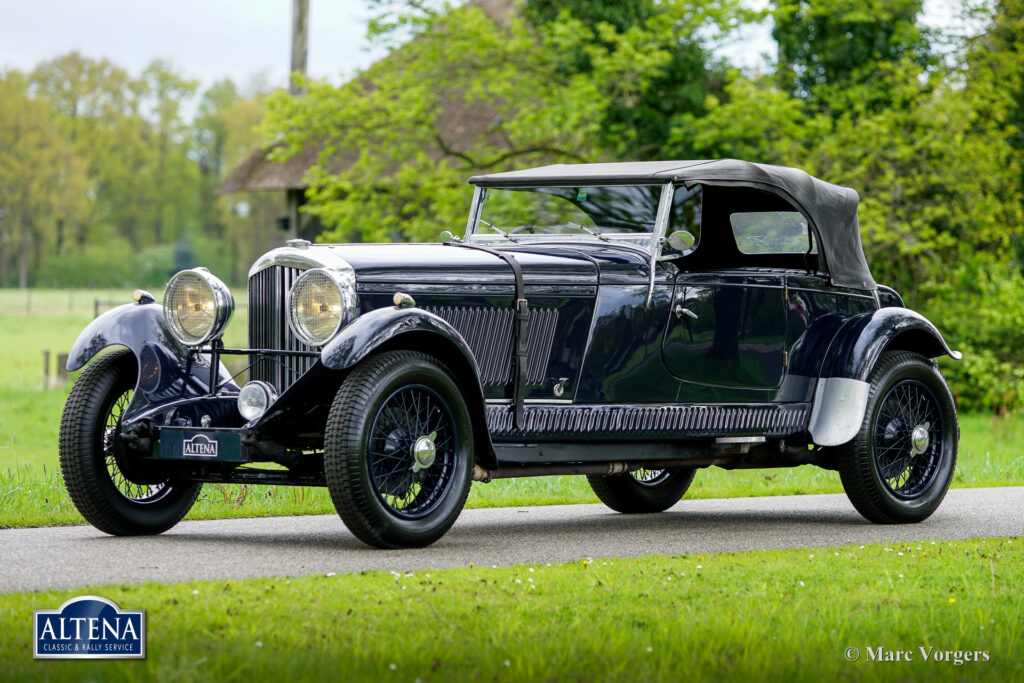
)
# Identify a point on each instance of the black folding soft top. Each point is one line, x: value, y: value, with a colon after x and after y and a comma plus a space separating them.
x: 830, y: 209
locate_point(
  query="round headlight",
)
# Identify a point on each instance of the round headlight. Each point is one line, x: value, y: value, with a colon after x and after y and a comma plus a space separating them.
x: 320, y: 303
x: 254, y: 399
x: 197, y: 306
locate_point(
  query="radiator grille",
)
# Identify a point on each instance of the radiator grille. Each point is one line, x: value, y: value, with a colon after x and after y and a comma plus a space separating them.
x: 268, y: 328
x: 488, y: 332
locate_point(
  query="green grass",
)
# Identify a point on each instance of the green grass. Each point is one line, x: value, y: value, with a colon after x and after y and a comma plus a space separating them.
x: 31, y: 493
x: 787, y: 615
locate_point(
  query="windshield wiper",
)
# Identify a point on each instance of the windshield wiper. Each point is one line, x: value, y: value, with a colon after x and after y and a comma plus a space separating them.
x: 595, y: 233
x: 495, y: 228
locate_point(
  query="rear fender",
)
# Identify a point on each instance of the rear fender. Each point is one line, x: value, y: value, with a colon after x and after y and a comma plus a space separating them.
x: 842, y: 390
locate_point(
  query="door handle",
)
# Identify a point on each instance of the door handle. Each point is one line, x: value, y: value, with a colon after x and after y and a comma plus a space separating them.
x: 681, y: 311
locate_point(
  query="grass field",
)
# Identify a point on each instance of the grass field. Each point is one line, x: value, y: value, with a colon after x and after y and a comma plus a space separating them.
x: 31, y: 492
x: 790, y: 615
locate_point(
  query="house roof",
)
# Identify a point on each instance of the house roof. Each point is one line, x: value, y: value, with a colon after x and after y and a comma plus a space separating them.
x: 459, y: 125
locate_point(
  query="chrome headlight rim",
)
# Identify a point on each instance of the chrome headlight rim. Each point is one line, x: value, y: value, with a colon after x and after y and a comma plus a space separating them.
x: 345, y: 284
x: 223, y: 307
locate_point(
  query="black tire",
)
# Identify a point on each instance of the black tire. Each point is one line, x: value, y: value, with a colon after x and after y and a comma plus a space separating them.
x: 378, y: 490
x: 642, y: 490
x: 887, y: 478
x: 89, y: 456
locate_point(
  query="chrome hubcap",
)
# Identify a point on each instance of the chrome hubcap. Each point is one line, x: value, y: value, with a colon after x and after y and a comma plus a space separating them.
x: 423, y: 452
x: 919, y: 439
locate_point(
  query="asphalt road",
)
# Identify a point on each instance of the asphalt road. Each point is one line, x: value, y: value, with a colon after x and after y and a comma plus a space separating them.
x: 69, y: 557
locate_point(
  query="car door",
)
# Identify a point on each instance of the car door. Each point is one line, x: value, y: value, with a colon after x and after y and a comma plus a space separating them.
x: 727, y: 330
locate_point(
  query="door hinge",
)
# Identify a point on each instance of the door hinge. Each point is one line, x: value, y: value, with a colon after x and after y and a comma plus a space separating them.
x: 785, y: 359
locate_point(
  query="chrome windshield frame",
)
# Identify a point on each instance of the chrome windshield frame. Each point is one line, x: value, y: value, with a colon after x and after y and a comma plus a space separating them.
x: 658, y: 237
x: 480, y: 194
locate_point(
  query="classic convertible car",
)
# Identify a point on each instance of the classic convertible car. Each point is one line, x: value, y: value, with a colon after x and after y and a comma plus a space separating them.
x: 631, y: 322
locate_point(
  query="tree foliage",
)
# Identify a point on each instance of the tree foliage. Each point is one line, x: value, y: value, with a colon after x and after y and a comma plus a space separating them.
x: 862, y: 95
x: 102, y: 175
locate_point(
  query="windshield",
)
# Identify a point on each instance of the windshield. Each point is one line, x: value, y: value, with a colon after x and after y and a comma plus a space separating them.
x: 620, y: 213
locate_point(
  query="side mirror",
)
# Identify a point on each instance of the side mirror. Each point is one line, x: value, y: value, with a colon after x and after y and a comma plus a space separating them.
x: 447, y: 237
x: 681, y: 240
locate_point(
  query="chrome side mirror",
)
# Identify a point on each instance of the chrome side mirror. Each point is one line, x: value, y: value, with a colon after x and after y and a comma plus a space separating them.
x: 447, y: 237
x: 681, y: 240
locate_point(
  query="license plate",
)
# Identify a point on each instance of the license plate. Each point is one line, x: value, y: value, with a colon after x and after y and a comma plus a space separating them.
x: 220, y: 445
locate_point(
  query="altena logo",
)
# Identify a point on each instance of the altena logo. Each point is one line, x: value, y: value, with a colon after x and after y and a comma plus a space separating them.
x: 89, y: 627
x: 199, y: 446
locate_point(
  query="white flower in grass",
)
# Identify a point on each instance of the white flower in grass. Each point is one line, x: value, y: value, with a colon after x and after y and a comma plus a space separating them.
x: 259, y: 643
x: 531, y: 570
x: 837, y: 554
x: 519, y: 580
x: 507, y: 663
x: 801, y: 583
x: 700, y: 566
x: 901, y: 576
x: 392, y: 666
x: 900, y: 554
x: 332, y: 573
x: 650, y: 649
x: 195, y: 592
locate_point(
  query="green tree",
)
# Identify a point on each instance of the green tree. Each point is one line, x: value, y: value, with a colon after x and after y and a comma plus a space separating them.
x: 827, y: 49
x: 170, y: 195
x: 42, y: 182
x: 506, y: 79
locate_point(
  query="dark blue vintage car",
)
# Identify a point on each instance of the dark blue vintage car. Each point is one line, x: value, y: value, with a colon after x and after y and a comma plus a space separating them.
x: 631, y: 322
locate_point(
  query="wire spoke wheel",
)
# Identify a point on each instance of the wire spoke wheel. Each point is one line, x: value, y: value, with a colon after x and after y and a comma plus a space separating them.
x: 898, y: 466
x: 908, y: 438
x: 398, y: 450
x: 646, y: 477
x: 412, y: 486
x: 642, y: 490
x: 101, y: 474
x: 137, y: 493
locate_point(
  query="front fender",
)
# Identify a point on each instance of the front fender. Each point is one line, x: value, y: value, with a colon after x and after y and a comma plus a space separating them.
x: 414, y: 328
x: 841, y: 394
x: 371, y: 330
x: 130, y: 325
x: 161, y: 358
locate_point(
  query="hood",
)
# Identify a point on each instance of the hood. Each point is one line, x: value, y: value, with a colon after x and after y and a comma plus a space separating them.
x: 450, y: 264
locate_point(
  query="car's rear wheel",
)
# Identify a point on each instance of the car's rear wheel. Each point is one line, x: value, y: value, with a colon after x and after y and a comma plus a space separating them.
x: 643, y: 490
x: 898, y: 467
x: 398, y: 452
x: 100, y: 478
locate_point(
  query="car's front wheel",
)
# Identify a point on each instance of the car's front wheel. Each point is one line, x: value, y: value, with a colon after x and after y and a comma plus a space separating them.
x: 642, y: 490
x: 398, y: 451
x: 898, y: 467
x: 100, y: 478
